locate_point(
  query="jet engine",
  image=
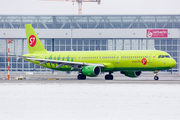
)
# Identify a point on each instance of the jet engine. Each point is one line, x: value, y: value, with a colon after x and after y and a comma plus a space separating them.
x: 132, y: 74
x: 91, y: 71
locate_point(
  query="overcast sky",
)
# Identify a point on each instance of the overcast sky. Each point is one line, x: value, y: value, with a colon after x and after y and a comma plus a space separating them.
x: 35, y: 7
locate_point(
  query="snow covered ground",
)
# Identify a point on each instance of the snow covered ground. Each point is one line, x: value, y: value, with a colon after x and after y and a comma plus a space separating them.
x: 81, y: 101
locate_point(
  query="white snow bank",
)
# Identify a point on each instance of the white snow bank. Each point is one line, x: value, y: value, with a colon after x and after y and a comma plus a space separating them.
x: 89, y: 101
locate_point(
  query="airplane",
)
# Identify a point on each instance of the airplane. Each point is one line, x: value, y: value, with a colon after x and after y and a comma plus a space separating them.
x: 131, y: 63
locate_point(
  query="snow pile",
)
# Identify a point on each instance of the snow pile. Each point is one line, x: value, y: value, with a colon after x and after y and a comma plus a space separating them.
x: 22, y: 101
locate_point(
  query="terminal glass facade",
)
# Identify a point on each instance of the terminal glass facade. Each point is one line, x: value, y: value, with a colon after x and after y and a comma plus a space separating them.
x: 90, y: 21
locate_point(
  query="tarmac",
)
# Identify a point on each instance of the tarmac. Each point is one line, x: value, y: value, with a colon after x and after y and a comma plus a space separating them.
x: 72, y: 78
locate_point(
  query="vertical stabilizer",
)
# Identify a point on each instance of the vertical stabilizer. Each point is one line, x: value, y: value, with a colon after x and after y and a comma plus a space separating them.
x: 33, y: 42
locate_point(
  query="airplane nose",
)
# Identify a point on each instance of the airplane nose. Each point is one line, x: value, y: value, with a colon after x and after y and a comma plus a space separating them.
x: 173, y: 63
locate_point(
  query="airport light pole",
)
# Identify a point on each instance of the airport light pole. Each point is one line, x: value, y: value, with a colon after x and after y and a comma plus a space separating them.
x: 9, y: 41
x: 179, y: 54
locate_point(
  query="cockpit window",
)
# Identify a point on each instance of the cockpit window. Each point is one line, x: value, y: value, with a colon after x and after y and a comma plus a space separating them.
x: 164, y: 56
x: 167, y: 56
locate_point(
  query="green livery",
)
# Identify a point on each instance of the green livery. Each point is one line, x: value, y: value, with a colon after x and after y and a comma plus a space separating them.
x: 91, y: 63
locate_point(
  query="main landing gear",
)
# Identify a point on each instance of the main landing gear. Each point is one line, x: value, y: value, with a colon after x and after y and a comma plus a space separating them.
x: 81, y: 76
x: 109, y: 76
x: 156, y: 76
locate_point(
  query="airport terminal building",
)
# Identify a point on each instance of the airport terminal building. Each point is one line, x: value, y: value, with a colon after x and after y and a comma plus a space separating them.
x: 88, y: 33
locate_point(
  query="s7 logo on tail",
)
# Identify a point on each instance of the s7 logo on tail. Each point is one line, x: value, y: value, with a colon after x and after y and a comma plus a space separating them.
x: 32, y: 40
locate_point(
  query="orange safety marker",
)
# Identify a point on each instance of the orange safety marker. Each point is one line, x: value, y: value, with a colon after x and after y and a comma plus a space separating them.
x: 9, y: 41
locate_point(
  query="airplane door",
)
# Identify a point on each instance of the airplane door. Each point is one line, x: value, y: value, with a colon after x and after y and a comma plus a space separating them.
x: 150, y: 56
x: 79, y: 58
x: 117, y: 59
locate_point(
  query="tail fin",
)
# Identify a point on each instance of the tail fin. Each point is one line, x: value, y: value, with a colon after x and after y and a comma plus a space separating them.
x: 33, y: 42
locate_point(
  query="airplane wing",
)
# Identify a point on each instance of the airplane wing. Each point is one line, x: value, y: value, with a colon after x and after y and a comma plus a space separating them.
x: 74, y: 65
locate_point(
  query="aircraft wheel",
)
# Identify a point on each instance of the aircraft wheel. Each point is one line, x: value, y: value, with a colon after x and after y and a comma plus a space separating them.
x: 78, y: 77
x: 81, y: 77
x: 106, y: 77
x: 156, y: 78
x: 84, y: 77
x: 109, y: 77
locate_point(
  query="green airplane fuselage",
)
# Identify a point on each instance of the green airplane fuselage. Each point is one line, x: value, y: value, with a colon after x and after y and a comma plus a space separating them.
x: 91, y: 63
x: 126, y: 60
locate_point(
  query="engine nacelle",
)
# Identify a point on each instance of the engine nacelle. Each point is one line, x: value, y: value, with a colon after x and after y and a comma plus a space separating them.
x: 91, y: 71
x: 132, y: 74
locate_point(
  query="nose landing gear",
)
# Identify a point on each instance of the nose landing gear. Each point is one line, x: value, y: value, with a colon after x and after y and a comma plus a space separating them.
x: 156, y: 76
